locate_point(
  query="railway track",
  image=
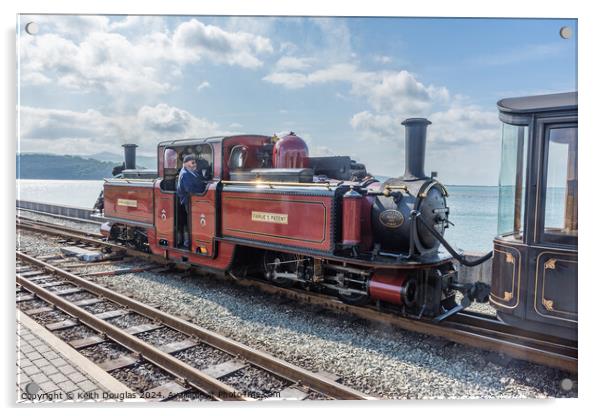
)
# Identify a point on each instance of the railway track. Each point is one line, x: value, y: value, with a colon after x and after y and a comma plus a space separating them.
x: 467, y: 328
x: 166, y: 343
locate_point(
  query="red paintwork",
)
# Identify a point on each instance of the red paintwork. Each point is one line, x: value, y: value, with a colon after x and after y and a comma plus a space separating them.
x: 127, y: 193
x: 203, y: 220
x: 308, y: 221
x: 252, y: 142
x: 386, y: 285
x: 225, y: 254
x: 164, y: 215
x: 290, y: 152
x: 352, y: 227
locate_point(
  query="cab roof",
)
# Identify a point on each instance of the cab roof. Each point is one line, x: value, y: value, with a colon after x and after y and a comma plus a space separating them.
x: 539, y: 103
x: 200, y: 140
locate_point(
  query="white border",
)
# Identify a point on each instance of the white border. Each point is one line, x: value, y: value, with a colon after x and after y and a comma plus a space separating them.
x: 590, y: 154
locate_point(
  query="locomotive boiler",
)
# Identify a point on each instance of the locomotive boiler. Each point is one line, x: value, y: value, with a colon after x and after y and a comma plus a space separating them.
x: 401, y: 200
x: 271, y: 211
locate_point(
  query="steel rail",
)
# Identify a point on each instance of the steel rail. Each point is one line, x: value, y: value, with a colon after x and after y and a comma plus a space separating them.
x: 281, y: 368
x: 466, y: 330
x: 34, y: 222
x: 59, y: 216
x: 78, y: 235
x: 193, y: 376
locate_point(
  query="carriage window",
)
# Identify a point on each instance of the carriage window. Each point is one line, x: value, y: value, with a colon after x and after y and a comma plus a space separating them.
x: 511, y: 202
x: 561, y: 183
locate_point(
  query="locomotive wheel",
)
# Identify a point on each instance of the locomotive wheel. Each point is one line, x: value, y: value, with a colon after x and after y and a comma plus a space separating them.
x: 274, y: 262
x: 355, y: 299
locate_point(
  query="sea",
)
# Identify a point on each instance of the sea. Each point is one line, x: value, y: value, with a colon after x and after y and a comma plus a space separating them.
x: 473, y: 209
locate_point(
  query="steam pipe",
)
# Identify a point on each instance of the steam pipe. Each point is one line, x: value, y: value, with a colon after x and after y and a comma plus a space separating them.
x: 415, y: 148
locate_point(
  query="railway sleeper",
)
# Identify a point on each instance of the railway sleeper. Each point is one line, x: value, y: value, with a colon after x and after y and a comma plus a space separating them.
x: 165, y: 391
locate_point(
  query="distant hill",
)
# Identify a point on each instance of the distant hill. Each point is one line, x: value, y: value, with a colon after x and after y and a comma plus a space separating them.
x: 46, y: 166
x: 141, y: 161
x: 96, y: 166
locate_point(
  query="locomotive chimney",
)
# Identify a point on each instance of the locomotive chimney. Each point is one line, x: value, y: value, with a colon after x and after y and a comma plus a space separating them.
x: 129, y: 153
x: 415, y: 148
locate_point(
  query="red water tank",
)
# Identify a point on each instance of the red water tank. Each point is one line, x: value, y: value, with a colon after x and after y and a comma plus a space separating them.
x: 352, y: 215
x: 290, y: 151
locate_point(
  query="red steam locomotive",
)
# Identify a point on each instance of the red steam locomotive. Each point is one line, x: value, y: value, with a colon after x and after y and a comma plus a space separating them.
x: 271, y: 211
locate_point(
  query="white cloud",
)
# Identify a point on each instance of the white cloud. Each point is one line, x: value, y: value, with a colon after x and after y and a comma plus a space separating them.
x: 203, y: 85
x: 75, y: 26
x: 76, y: 132
x: 382, y: 59
x: 101, y: 59
x: 35, y: 78
x: 193, y: 40
x: 400, y: 92
x: 139, y: 25
x: 464, y: 124
x: 291, y: 63
x: 374, y: 126
x: 457, y: 125
x: 335, y: 39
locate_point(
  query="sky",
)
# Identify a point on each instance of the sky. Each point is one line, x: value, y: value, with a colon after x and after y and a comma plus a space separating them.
x: 88, y: 84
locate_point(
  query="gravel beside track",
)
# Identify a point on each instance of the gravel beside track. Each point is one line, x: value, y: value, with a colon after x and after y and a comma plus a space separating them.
x: 50, y: 317
x: 104, y: 352
x: 202, y: 356
x: 255, y: 383
x: 131, y: 319
x: 77, y: 332
x: 31, y: 304
x: 101, y: 307
x: 377, y: 359
x: 74, y: 297
x: 162, y: 336
x: 142, y: 377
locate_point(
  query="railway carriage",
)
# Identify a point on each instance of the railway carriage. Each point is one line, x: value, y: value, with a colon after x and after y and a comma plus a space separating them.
x: 535, y: 275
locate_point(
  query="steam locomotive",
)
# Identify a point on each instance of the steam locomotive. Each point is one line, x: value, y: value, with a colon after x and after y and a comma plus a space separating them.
x: 272, y: 211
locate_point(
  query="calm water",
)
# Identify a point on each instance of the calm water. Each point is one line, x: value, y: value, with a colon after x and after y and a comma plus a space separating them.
x: 473, y: 209
x: 74, y: 193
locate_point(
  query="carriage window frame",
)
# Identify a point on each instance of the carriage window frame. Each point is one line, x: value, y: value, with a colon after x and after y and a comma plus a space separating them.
x: 512, y: 207
x: 544, y: 236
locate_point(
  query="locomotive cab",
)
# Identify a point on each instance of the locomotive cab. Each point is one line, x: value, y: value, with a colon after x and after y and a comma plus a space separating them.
x: 534, y: 270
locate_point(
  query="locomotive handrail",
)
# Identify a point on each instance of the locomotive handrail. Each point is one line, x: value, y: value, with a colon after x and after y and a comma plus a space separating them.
x: 129, y: 179
x: 272, y: 184
x: 434, y: 183
x: 402, y: 187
